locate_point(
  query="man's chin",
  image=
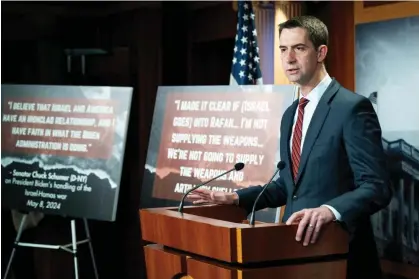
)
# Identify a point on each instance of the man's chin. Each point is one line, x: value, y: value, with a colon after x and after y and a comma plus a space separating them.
x: 293, y: 78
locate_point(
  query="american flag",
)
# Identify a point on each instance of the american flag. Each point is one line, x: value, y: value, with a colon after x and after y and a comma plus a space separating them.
x: 246, y: 68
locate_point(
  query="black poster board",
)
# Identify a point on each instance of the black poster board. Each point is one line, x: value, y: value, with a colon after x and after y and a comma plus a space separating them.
x: 62, y: 148
x: 199, y: 132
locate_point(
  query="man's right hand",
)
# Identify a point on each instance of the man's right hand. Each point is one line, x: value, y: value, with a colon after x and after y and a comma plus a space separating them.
x: 200, y: 196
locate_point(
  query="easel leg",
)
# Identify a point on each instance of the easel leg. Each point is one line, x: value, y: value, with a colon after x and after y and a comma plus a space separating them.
x: 74, y: 241
x: 19, y: 233
x: 86, y: 227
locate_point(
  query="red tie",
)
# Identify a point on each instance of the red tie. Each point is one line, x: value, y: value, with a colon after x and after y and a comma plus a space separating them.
x: 296, y: 139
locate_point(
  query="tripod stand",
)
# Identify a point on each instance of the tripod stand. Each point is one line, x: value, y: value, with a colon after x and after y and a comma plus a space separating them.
x: 70, y: 248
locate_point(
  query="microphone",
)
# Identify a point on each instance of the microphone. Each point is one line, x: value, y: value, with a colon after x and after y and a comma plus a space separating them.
x: 279, y: 166
x: 237, y: 167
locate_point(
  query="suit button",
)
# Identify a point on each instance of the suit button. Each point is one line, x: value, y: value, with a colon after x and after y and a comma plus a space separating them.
x: 294, y: 197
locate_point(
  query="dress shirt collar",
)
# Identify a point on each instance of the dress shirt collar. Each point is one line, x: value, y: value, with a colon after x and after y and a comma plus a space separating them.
x: 315, y: 95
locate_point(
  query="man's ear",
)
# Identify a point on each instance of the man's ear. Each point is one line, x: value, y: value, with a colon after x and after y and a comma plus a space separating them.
x: 321, y: 53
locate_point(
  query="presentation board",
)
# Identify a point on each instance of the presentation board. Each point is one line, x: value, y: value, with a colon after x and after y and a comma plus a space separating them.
x: 394, y: 94
x: 199, y: 132
x: 62, y: 148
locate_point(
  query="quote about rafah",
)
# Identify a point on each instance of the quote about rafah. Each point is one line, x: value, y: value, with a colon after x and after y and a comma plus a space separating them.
x: 56, y: 126
x: 220, y: 133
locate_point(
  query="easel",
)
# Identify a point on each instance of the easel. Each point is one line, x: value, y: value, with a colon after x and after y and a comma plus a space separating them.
x: 71, y: 247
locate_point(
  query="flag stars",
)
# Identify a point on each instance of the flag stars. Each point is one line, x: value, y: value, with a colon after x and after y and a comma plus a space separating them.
x: 245, y: 60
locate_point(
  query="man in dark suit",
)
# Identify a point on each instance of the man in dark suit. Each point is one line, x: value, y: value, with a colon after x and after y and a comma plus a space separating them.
x: 331, y: 143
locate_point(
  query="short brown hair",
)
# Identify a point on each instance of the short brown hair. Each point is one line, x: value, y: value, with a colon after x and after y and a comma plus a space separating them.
x: 316, y: 29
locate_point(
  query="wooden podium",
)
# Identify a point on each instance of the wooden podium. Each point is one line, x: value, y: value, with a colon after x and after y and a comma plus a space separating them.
x: 216, y: 242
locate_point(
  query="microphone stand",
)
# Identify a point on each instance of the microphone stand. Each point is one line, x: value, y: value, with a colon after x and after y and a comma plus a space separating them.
x: 180, y: 208
x: 280, y: 166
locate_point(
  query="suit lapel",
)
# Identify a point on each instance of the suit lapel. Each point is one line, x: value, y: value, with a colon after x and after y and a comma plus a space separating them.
x: 316, y: 125
x: 288, y: 122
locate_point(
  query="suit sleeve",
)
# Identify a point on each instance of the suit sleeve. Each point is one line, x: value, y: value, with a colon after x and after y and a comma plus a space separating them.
x: 275, y: 195
x: 364, y: 148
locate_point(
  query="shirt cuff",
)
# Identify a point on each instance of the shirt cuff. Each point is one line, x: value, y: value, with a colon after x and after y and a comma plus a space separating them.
x: 335, y: 212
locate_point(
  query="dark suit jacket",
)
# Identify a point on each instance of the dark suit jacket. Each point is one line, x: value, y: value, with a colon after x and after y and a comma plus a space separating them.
x: 342, y: 164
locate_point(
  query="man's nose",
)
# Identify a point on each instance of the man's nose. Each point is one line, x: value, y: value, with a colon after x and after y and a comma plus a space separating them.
x: 290, y: 57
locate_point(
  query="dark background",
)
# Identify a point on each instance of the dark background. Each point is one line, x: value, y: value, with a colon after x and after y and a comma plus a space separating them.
x: 148, y: 44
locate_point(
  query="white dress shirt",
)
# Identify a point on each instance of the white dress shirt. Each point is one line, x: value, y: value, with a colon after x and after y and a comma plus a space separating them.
x: 314, y: 97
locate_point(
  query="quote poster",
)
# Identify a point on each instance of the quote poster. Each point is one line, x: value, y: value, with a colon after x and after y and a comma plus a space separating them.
x: 62, y: 148
x: 199, y: 133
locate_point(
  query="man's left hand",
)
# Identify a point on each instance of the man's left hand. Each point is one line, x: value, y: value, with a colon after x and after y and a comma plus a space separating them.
x: 311, y: 221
